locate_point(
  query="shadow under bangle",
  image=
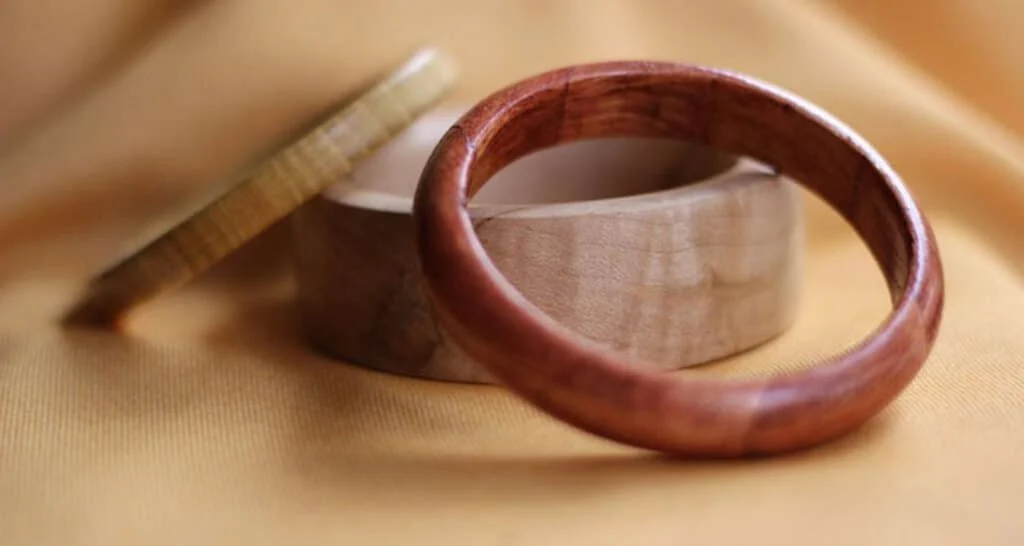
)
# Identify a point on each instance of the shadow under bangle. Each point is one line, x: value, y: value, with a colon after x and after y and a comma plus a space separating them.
x: 596, y: 390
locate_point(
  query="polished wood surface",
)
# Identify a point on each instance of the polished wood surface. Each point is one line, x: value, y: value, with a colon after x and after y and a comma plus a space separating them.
x: 324, y: 155
x: 664, y: 251
x: 593, y: 388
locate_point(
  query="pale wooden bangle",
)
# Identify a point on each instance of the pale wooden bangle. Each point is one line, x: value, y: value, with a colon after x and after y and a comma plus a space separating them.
x: 668, y: 252
x: 605, y: 393
x: 326, y: 153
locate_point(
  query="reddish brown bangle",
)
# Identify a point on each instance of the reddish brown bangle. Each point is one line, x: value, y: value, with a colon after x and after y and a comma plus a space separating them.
x: 591, y: 388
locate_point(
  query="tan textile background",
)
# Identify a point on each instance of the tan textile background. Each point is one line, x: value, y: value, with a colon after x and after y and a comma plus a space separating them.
x: 212, y: 423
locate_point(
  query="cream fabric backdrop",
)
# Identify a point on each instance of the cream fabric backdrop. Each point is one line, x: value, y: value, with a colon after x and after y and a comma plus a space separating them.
x: 212, y: 423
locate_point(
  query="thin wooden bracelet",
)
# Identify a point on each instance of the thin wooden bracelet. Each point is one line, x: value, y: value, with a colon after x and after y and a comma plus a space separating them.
x: 278, y: 186
x: 594, y: 389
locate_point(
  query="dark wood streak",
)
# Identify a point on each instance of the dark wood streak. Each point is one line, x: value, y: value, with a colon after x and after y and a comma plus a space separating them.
x: 590, y: 388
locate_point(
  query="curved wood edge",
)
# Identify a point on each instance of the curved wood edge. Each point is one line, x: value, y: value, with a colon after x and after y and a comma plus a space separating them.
x: 278, y: 186
x: 593, y: 389
x: 701, y: 269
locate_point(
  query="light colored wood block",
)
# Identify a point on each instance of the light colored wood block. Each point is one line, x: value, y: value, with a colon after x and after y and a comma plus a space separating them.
x: 657, y: 249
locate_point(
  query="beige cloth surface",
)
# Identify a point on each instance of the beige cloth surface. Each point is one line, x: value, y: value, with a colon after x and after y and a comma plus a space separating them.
x: 212, y: 422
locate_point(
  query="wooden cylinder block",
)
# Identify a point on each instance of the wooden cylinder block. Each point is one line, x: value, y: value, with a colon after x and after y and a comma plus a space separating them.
x: 661, y: 250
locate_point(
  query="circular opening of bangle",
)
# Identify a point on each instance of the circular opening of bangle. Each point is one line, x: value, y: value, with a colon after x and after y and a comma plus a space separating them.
x: 567, y: 179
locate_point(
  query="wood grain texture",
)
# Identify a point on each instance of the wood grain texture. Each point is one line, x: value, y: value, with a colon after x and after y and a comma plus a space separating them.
x: 593, y: 388
x: 664, y: 251
x: 289, y: 178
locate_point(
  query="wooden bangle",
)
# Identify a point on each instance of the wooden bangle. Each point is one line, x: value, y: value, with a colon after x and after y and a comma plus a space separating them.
x: 571, y: 229
x: 593, y: 389
x: 276, y: 187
